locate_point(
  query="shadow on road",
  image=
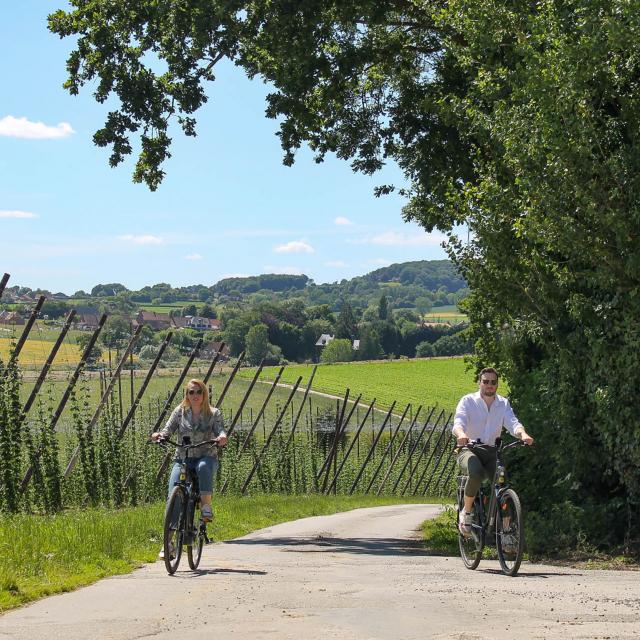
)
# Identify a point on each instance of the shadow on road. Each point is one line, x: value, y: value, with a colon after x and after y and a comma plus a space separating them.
x: 208, y: 572
x: 322, y: 544
x: 531, y: 574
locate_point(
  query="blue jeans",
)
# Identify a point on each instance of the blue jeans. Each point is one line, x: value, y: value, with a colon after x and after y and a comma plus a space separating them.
x: 206, y: 468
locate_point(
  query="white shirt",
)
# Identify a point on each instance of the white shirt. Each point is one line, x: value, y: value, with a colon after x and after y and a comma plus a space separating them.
x: 479, y: 421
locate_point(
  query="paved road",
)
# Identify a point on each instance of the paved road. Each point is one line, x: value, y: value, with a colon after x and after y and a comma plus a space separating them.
x: 353, y: 576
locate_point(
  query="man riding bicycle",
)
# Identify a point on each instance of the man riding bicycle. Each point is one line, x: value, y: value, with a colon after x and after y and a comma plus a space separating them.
x: 480, y: 417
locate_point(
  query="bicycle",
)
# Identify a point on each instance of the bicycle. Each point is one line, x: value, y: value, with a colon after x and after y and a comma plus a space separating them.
x: 496, y: 510
x: 180, y: 526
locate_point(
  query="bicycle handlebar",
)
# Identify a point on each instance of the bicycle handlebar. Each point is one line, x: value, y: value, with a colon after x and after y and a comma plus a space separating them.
x: 472, y: 443
x: 165, y: 441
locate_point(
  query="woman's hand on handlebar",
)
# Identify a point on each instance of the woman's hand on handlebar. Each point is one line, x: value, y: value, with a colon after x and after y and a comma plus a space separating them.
x: 221, y: 440
x: 157, y: 436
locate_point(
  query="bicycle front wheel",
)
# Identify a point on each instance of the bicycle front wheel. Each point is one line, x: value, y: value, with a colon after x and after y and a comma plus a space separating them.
x: 471, y: 543
x: 194, y: 550
x: 174, y: 523
x: 509, y: 532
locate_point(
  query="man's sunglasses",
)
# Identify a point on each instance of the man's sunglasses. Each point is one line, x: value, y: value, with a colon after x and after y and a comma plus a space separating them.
x: 493, y: 383
x: 195, y: 392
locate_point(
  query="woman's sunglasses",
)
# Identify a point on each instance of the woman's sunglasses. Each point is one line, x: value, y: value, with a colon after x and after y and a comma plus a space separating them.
x: 195, y: 392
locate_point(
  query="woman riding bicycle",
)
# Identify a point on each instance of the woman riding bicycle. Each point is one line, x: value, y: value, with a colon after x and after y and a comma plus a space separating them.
x: 195, y: 418
x: 480, y: 416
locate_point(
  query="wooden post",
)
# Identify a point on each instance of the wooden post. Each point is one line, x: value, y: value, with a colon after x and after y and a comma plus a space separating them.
x: 67, y: 393
x: 339, y: 418
x: 47, y: 365
x: 333, y: 454
x: 415, y: 446
x: 431, y: 456
x: 244, y: 400
x: 351, y: 445
x: 74, y: 457
x: 3, y: 283
x: 268, y: 440
x: 254, y: 426
x: 223, y: 393
x: 300, y: 409
x: 400, y: 447
x: 372, y: 449
x: 437, y: 462
x: 25, y: 332
x: 384, y: 455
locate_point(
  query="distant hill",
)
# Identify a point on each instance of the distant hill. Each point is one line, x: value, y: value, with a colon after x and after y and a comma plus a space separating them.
x: 435, y: 282
x: 402, y: 283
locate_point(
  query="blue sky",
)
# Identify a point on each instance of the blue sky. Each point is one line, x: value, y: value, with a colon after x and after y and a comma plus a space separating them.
x: 227, y: 205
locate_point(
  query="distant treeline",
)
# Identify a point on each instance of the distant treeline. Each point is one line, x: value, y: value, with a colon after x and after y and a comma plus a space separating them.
x: 422, y: 284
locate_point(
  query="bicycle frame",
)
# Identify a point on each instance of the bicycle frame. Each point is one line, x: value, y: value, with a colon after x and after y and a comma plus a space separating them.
x: 181, y: 522
x: 487, y: 522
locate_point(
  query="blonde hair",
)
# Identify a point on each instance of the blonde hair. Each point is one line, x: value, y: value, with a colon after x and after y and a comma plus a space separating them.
x: 186, y: 403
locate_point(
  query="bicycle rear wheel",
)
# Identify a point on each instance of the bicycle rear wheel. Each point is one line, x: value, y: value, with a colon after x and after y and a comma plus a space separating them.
x: 471, y: 544
x: 509, y: 532
x: 174, y: 523
x: 194, y: 550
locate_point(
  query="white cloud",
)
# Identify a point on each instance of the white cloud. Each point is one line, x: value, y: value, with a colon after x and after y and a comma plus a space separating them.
x: 295, y: 246
x: 342, y: 221
x: 193, y: 257
x: 395, y: 239
x: 23, y: 128
x: 338, y: 264
x: 143, y: 240
x: 17, y: 214
x: 290, y: 271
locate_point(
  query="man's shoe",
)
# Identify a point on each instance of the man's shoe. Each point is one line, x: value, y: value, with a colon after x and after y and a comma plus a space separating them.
x: 465, y: 523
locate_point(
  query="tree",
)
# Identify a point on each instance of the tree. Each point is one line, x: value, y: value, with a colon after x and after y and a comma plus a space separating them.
x: 425, y: 350
x: 338, y: 350
x: 96, y: 352
x: 207, y: 311
x: 346, y: 323
x: 115, y: 333
x: 257, y: 344
x: 498, y: 124
x: 383, y: 308
x: 369, y: 348
x: 423, y: 305
x: 190, y: 310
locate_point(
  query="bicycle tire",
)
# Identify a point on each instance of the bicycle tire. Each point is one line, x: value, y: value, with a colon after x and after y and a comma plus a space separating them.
x: 509, y: 532
x: 174, y: 517
x: 194, y: 550
x: 471, y: 546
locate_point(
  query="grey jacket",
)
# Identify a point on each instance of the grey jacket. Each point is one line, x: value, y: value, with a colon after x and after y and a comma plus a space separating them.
x: 182, y: 423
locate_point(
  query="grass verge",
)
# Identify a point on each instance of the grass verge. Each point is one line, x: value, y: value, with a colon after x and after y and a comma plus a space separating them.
x: 440, y: 538
x: 47, y: 554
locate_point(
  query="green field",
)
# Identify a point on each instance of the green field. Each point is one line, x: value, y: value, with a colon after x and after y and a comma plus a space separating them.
x: 430, y: 381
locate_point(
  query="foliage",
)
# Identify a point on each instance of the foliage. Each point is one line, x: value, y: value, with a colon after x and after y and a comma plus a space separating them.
x: 338, y: 350
x: 257, y: 343
x: 346, y: 323
x: 497, y: 122
x: 425, y: 350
